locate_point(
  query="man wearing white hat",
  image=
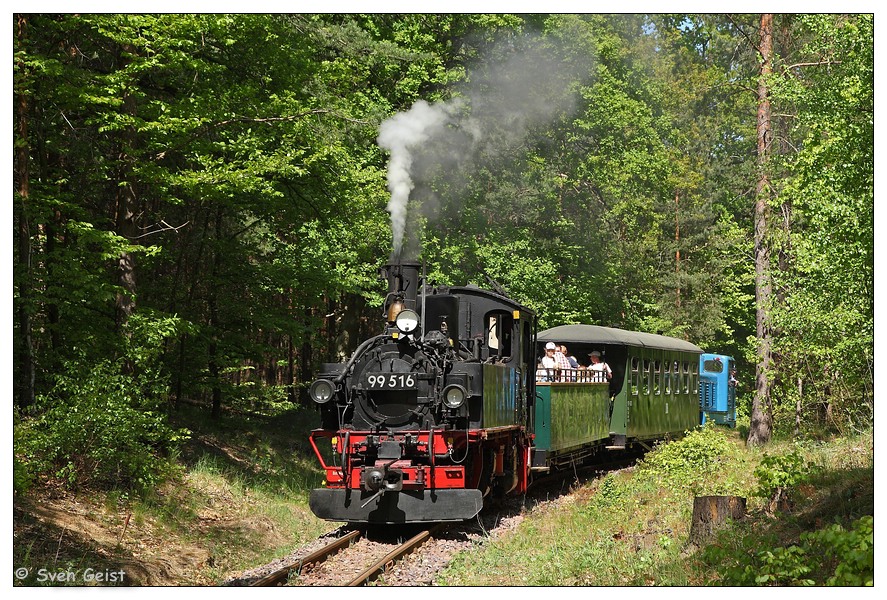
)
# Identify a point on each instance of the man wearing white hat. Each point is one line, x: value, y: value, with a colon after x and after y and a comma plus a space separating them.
x: 548, y: 361
x: 546, y: 368
x: 602, y: 369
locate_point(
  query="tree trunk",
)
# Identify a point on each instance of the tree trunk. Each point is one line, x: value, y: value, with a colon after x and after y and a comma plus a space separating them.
x: 26, y: 371
x: 798, y: 405
x: 677, y: 252
x: 126, y: 211
x: 213, y: 363
x: 215, y: 374
x: 711, y: 513
x: 194, y: 262
x: 291, y: 369
x: 761, y: 413
x: 306, y: 362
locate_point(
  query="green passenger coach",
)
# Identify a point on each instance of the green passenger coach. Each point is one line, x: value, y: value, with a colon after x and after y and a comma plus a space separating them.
x: 650, y: 393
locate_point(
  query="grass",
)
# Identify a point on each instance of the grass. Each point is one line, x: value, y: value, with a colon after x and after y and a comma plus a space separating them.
x: 631, y: 528
x: 245, y: 497
x: 242, y: 500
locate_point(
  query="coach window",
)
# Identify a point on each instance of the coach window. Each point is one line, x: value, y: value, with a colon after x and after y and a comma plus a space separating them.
x: 668, y: 377
x: 676, y: 377
x: 657, y: 377
x: 685, y: 376
x: 694, y: 375
x: 647, y: 376
x: 635, y: 375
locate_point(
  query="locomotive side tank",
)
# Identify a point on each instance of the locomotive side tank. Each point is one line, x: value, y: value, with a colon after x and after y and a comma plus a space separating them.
x: 427, y: 418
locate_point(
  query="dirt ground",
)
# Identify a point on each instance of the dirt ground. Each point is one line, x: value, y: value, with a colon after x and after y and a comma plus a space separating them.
x: 62, y: 534
x: 80, y: 540
x: 194, y: 534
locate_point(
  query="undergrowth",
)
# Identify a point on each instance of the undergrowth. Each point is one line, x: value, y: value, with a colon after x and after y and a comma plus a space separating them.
x: 631, y: 527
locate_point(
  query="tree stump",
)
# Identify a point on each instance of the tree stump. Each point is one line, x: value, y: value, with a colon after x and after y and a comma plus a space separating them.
x: 710, y: 513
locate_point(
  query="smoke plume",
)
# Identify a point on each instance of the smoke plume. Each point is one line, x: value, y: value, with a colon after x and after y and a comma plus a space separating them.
x: 503, y: 102
x: 402, y: 135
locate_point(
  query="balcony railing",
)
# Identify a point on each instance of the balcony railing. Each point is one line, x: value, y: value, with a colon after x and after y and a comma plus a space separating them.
x: 570, y: 376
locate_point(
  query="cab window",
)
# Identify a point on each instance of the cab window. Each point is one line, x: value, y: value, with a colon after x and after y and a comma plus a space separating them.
x: 498, y: 333
x: 713, y: 366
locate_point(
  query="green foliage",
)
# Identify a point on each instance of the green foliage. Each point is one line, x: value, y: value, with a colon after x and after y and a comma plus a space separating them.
x: 611, y: 492
x: 22, y: 478
x: 779, y: 566
x: 695, y: 462
x: 105, y: 423
x: 778, y: 472
x: 852, y: 553
x: 827, y: 318
x: 831, y: 556
x: 100, y: 428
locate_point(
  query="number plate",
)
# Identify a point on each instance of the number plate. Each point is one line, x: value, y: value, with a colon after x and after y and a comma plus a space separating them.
x: 390, y: 381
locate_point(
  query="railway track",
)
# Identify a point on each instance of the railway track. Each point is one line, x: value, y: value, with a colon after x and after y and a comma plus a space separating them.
x: 356, y: 557
x: 353, y: 548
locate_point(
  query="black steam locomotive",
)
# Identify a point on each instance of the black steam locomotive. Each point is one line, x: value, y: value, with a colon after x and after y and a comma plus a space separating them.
x: 430, y: 416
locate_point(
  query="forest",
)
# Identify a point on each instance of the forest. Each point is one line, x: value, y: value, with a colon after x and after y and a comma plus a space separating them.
x: 201, y: 204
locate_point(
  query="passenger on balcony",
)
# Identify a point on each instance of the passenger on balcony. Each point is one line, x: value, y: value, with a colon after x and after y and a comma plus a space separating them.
x: 574, y: 364
x: 600, y: 370
x: 548, y: 364
x: 565, y: 371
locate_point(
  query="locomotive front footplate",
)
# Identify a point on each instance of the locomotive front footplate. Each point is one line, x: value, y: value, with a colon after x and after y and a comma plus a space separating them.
x: 407, y: 506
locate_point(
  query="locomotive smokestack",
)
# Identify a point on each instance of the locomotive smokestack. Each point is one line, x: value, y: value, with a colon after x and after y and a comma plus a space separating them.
x: 403, y: 285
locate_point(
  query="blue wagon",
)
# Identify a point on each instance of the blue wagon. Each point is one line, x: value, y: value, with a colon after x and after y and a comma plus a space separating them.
x: 717, y: 389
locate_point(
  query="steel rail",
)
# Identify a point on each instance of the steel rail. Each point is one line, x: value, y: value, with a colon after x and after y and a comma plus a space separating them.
x: 311, y: 559
x: 385, y: 563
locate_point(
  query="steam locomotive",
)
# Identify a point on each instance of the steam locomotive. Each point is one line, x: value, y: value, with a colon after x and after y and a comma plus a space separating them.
x: 443, y: 408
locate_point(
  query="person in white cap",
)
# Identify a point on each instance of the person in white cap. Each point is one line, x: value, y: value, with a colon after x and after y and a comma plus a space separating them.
x: 546, y: 367
x: 548, y: 361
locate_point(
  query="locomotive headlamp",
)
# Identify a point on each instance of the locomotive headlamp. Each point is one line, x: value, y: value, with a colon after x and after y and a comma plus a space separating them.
x: 407, y: 320
x: 454, y: 395
x: 321, y: 391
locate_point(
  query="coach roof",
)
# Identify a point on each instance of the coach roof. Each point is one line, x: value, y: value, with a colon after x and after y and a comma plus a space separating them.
x: 595, y: 334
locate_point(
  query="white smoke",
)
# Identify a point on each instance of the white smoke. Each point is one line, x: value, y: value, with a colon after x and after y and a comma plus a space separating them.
x: 501, y: 101
x: 402, y: 134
